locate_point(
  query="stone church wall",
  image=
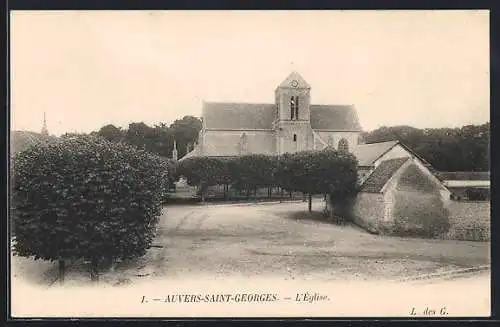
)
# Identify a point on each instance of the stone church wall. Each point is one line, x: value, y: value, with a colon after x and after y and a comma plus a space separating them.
x: 302, y: 132
x: 335, y: 137
x: 225, y: 143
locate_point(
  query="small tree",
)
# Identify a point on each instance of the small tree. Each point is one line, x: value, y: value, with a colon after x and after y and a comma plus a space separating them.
x: 319, y: 172
x: 284, y: 175
x: 340, y: 179
x: 226, y: 173
x: 253, y: 171
x: 201, y: 171
x: 86, y: 198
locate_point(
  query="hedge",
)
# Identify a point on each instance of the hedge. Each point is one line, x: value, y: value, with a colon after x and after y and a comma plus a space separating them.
x: 309, y: 172
x: 86, y: 198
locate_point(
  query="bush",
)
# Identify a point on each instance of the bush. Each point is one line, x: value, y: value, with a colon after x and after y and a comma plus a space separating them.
x: 319, y: 172
x: 309, y: 172
x: 202, y: 172
x: 250, y: 172
x: 86, y: 198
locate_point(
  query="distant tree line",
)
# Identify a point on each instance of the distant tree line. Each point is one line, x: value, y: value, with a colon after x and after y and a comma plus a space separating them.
x: 157, y: 139
x: 464, y: 148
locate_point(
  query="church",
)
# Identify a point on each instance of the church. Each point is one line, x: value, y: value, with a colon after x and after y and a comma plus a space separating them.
x: 395, y: 182
x: 290, y: 124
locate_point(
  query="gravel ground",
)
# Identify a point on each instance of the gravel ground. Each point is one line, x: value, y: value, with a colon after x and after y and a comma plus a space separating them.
x: 269, y: 240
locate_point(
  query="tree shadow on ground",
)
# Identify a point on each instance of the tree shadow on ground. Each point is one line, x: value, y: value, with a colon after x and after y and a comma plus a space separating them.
x: 305, y: 216
x: 321, y: 218
x: 35, y: 272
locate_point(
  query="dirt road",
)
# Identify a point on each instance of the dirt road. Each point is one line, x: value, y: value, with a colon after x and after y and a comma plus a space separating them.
x: 276, y: 240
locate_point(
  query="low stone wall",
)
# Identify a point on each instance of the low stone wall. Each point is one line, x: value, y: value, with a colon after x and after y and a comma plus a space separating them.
x: 470, y: 221
x: 368, y: 211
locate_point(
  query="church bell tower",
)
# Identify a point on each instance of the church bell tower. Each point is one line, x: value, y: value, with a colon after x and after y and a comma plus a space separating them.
x: 293, y: 126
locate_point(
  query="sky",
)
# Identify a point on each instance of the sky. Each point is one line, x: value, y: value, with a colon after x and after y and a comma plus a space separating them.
x: 86, y: 69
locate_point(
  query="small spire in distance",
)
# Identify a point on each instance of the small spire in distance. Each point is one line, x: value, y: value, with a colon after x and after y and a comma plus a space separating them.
x: 45, y: 131
x: 174, y: 151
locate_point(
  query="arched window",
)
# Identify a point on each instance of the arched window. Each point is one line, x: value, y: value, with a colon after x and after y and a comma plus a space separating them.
x: 297, y: 108
x: 295, y: 137
x: 292, y: 108
x: 343, y: 145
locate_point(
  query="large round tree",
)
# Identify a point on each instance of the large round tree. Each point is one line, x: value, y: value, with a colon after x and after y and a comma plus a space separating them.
x: 86, y: 198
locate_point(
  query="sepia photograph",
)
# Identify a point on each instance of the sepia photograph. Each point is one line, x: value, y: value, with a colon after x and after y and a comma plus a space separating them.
x: 319, y: 163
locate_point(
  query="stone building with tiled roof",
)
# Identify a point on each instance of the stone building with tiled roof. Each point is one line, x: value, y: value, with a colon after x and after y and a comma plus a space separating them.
x: 400, y: 191
x: 372, y: 154
x: 397, y: 188
x: 290, y: 124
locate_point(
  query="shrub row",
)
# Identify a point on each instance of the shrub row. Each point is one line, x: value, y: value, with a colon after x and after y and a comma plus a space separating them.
x: 311, y: 172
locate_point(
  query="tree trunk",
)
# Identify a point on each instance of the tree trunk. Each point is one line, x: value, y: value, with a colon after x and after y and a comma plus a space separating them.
x: 248, y: 193
x: 94, y: 271
x: 62, y: 270
x: 329, y: 207
x: 255, y: 192
x: 290, y: 195
x: 310, y: 202
x: 112, y: 264
x: 202, y: 193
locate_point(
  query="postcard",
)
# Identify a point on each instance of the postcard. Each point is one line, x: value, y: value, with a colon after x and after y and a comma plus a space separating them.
x: 303, y: 164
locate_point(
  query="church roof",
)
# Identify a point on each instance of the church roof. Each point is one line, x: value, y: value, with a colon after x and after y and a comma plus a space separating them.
x: 244, y: 116
x: 382, y: 174
x: 367, y: 154
x: 254, y: 116
x: 334, y: 117
x: 294, y: 76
